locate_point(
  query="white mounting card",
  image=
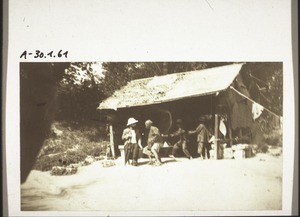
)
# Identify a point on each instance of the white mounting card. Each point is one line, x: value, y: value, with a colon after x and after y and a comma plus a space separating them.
x: 147, y: 31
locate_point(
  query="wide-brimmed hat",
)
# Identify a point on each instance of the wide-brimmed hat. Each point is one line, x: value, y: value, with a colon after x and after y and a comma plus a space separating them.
x: 131, y: 121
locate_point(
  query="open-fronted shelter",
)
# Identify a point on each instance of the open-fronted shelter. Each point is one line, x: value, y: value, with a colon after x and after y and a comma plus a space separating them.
x: 187, y: 95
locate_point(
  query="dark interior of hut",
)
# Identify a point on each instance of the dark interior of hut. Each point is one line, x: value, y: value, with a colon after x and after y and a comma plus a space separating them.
x: 165, y: 114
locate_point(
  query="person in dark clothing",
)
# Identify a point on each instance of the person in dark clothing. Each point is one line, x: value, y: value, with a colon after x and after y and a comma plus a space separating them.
x: 132, y: 141
x: 182, y: 134
x: 203, y: 135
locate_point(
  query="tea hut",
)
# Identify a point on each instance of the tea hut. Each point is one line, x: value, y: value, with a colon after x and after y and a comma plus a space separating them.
x: 213, y: 92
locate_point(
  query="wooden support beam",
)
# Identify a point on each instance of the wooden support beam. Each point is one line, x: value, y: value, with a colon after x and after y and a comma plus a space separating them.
x: 216, y: 136
x: 229, y: 130
x: 240, y: 132
x: 111, y: 139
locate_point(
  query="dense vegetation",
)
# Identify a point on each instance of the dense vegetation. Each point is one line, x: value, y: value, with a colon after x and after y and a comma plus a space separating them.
x: 70, y: 145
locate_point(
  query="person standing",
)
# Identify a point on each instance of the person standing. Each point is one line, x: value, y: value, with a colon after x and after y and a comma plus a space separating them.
x: 182, y: 134
x: 203, y: 135
x: 154, y: 143
x: 132, y: 141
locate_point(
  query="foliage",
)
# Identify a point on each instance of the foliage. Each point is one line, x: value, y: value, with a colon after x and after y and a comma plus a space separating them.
x: 273, y: 139
x: 265, y: 83
x: 264, y: 80
x: 80, y: 90
x: 264, y: 148
x: 71, y: 147
x: 46, y: 162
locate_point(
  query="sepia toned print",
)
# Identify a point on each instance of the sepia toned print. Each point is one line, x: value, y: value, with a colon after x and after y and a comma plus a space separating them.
x: 151, y: 136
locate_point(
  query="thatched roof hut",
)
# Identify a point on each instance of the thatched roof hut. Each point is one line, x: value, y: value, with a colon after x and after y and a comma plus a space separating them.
x: 185, y: 95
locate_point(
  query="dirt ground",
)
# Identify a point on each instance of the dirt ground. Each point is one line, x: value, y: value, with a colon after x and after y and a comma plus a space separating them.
x: 185, y: 185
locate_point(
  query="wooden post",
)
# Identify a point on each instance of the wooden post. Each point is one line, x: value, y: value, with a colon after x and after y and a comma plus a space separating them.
x: 216, y: 135
x: 165, y: 68
x: 229, y: 130
x: 111, y: 139
x: 240, y: 133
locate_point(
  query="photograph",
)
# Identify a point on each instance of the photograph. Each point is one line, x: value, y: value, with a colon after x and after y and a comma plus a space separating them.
x: 149, y: 108
x: 151, y: 136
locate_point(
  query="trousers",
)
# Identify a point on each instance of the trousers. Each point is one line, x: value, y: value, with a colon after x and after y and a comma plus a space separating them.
x: 182, y: 144
x: 131, y: 152
x: 204, y: 148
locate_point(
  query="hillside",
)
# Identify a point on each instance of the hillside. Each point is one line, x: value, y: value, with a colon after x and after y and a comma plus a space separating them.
x: 70, y: 144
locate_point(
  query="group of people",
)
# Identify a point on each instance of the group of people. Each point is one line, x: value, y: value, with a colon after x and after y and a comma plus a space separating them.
x: 155, y: 140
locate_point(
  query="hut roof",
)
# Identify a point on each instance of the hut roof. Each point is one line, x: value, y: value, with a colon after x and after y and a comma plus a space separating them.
x: 159, y: 89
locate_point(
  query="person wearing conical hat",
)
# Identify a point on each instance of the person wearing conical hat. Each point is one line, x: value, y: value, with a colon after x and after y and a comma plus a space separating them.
x: 183, y: 141
x: 203, y: 135
x: 132, y: 141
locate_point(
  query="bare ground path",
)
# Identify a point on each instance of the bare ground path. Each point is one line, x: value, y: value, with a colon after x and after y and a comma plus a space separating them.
x: 188, y: 185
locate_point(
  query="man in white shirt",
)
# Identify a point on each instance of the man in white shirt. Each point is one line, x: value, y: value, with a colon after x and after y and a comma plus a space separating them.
x: 154, y: 143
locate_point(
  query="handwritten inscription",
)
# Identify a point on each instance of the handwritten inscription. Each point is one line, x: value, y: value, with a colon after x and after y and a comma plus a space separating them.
x: 37, y: 54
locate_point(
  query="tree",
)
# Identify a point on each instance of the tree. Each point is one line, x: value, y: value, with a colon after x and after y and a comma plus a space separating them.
x: 80, y: 91
x: 38, y: 94
x: 265, y: 83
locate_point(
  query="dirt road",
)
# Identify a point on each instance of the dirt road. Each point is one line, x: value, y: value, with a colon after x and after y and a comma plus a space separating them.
x: 187, y: 185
